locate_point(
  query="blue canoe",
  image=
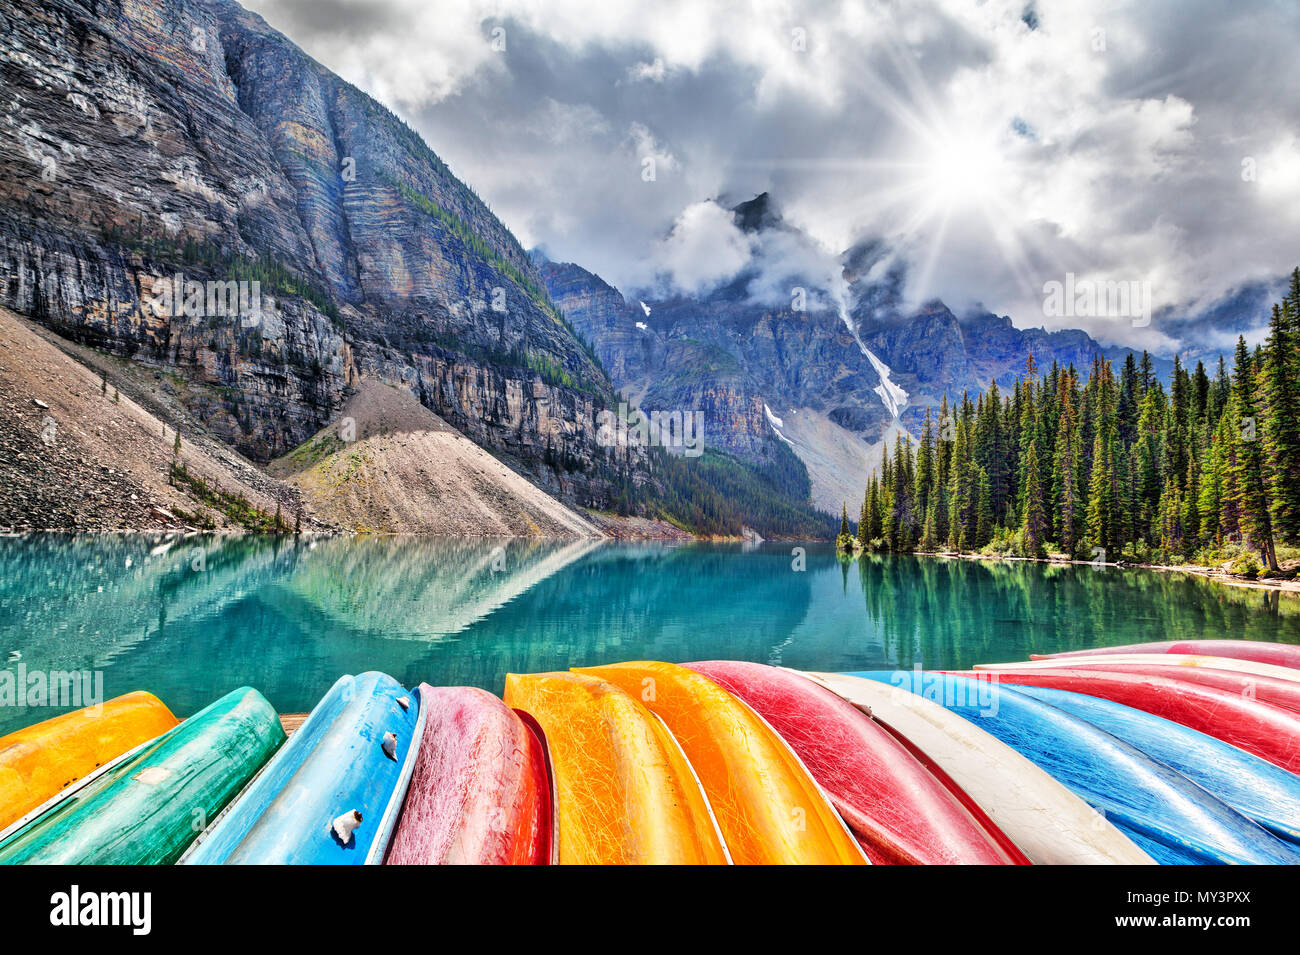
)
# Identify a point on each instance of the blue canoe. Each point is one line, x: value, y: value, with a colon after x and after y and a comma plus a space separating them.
x: 1171, y: 818
x: 334, y: 765
x: 1254, y: 787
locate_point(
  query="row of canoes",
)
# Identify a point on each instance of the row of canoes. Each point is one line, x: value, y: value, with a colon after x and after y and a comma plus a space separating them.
x: 1160, y: 753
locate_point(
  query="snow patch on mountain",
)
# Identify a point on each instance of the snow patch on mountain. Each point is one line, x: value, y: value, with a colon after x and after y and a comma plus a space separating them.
x: 891, y: 395
x: 894, y: 397
x: 776, y: 423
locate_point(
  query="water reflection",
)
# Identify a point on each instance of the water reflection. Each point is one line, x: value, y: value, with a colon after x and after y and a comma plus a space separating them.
x: 193, y: 618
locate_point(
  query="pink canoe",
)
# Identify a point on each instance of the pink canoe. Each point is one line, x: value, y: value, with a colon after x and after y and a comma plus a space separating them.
x: 900, y: 813
x: 1261, y: 651
x: 1270, y: 732
x: 479, y: 792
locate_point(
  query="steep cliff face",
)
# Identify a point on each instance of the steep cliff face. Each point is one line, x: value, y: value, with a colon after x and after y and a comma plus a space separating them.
x: 722, y: 356
x: 148, y: 140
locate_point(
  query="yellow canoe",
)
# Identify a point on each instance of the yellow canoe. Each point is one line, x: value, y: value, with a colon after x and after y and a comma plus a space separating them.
x: 624, y: 792
x: 770, y: 810
x: 39, y: 762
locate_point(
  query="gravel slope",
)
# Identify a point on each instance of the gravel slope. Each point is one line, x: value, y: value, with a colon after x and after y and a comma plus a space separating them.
x: 75, y: 455
x: 389, y: 465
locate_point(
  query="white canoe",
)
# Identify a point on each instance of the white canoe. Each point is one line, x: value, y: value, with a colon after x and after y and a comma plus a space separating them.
x: 1249, y: 667
x: 1050, y: 824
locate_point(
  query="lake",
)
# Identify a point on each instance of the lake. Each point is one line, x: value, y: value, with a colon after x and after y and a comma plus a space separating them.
x: 192, y: 619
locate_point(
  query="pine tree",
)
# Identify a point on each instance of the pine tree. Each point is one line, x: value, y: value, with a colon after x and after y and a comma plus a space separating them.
x: 1100, y: 519
x: 1033, y: 527
x: 1247, y: 468
x: 1281, y: 422
x: 864, y: 521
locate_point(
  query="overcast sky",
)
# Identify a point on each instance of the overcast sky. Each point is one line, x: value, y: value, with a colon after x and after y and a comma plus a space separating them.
x: 995, y: 146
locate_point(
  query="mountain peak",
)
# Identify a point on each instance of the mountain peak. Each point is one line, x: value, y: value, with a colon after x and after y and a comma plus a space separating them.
x: 756, y: 214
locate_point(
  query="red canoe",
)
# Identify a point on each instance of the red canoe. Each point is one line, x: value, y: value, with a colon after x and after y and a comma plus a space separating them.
x: 1261, y: 651
x: 900, y: 813
x: 1270, y: 732
x: 479, y: 792
x: 1265, y: 689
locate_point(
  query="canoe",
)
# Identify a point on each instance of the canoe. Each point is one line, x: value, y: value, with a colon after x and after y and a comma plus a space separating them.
x: 1266, y: 689
x: 1174, y: 662
x: 898, y: 811
x: 1261, y: 651
x: 149, y: 808
x: 1048, y: 822
x: 302, y: 809
x: 479, y: 794
x: 1254, y: 787
x: 40, y: 761
x: 1268, y: 731
x: 623, y: 791
x: 1174, y: 820
x: 769, y: 809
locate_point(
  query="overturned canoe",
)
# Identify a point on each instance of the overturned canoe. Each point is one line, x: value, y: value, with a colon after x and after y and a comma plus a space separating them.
x: 899, y: 812
x: 1174, y: 662
x: 1261, y: 651
x: 1265, y: 689
x: 1175, y: 821
x: 1254, y: 787
x: 40, y: 761
x: 479, y: 793
x: 624, y: 793
x: 768, y: 807
x: 332, y: 794
x: 1270, y: 732
x: 149, y: 808
x: 1046, y: 820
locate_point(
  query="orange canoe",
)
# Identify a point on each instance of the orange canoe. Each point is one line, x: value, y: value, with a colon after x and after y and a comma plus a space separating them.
x: 770, y: 810
x: 39, y: 762
x: 624, y: 792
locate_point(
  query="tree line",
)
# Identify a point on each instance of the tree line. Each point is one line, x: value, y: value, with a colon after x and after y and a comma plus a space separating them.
x: 1116, y: 466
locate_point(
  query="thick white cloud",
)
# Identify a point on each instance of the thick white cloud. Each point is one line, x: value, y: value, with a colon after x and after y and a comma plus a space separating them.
x: 703, y: 249
x: 1108, y: 139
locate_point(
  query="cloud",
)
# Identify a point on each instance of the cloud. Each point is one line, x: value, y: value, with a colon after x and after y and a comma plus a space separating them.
x: 992, y: 151
x: 703, y: 249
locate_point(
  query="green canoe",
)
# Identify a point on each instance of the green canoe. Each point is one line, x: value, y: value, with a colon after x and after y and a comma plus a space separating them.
x: 150, y: 808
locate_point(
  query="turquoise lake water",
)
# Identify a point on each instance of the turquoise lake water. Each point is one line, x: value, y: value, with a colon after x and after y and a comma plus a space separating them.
x: 193, y: 619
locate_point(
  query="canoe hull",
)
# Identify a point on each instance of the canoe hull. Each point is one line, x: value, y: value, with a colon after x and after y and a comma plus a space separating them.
x: 1270, y: 732
x: 1172, y: 662
x: 899, y: 812
x: 148, y: 809
x: 1178, y: 822
x: 1284, y: 693
x: 1254, y: 787
x: 334, y: 764
x: 1278, y: 654
x: 38, y: 762
x: 769, y: 809
x: 1049, y: 822
x: 479, y: 793
x: 623, y: 792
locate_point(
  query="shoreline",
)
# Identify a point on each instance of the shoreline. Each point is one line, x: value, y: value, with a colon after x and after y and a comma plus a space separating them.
x: 1197, y: 570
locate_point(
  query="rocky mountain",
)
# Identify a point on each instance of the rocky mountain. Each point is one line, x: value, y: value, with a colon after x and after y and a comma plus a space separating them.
x: 152, y: 148
x: 831, y: 373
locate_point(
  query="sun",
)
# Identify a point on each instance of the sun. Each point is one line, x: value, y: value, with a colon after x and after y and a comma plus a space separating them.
x: 962, y: 169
